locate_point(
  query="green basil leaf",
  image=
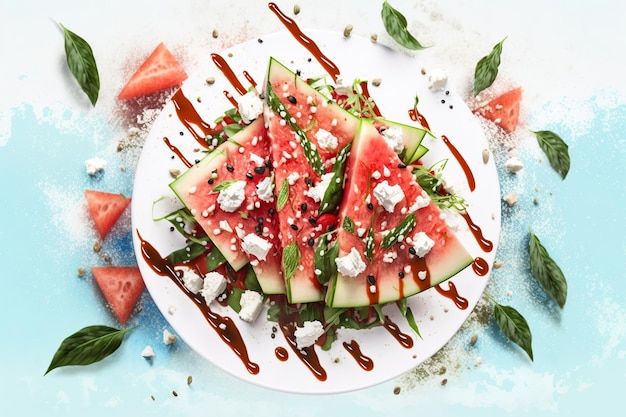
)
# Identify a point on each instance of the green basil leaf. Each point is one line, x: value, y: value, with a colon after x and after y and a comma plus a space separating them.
x: 514, y: 326
x: 234, y: 299
x: 190, y: 252
x: 396, y: 26
x: 331, y: 337
x: 223, y: 185
x: 291, y: 259
x: 215, y: 259
x: 82, y: 64
x: 487, y: 69
x: 406, y: 225
x: 546, y: 271
x: 334, y: 192
x: 348, y: 224
x: 88, y: 345
x: 273, y: 312
x: 556, y: 150
x: 324, y: 260
x: 408, y: 315
x: 251, y: 281
x: 283, y: 195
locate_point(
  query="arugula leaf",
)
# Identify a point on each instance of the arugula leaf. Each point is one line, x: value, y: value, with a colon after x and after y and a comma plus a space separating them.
x: 487, y: 69
x: 396, y: 26
x: 407, y: 224
x: 514, y: 326
x: 89, y: 345
x: 555, y: 149
x: 283, y: 195
x: 291, y: 259
x: 406, y: 312
x: 234, y: 299
x: 191, y: 251
x: 215, y: 259
x: 546, y: 271
x: 82, y: 64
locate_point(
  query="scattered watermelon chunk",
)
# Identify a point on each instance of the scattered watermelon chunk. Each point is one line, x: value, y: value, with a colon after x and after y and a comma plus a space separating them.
x: 121, y: 286
x: 105, y: 209
x: 159, y: 71
x: 503, y: 110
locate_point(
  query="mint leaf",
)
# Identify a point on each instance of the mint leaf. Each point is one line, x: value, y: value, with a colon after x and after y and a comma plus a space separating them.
x: 396, y: 26
x: 283, y: 195
x: 82, y: 64
x: 348, y: 224
x: 546, y: 271
x: 514, y: 326
x: 291, y: 259
x: 555, y: 149
x: 89, y: 345
x: 223, y: 185
x: 487, y: 69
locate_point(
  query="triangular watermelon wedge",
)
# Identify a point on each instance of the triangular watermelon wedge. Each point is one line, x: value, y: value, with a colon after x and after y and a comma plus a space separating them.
x: 105, y: 209
x: 121, y: 286
x: 242, y: 233
x: 503, y: 110
x: 381, y: 220
x: 159, y: 71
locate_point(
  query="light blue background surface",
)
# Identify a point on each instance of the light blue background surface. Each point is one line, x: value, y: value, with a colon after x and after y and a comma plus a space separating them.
x: 48, y: 130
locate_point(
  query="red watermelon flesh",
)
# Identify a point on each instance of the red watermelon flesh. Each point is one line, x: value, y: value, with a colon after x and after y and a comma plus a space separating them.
x: 105, y: 209
x: 243, y: 158
x: 503, y: 110
x: 294, y: 105
x: 121, y: 286
x: 393, y: 272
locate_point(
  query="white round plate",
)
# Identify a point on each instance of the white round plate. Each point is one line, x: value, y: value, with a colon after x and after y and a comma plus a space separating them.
x: 401, y: 80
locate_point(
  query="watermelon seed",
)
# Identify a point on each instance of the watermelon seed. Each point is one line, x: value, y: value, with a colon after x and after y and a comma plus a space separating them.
x: 294, y: 226
x: 443, y: 101
x: 249, y: 175
x: 271, y: 211
x: 292, y: 99
x: 308, y: 181
x: 313, y: 220
x: 447, y: 92
x: 172, y: 228
x: 370, y: 206
x: 371, y: 279
x: 311, y: 242
x: 230, y: 168
x: 412, y: 251
x: 211, y: 181
x: 401, y: 166
x: 260, y: 170
x: 258, y: 229
x: 273, y: 335
x: 181, y: 133
x: 303, y: 207
x: 401, y: 274
x: 451, y: 106
x: 269, y: 165
x: 260, y: 220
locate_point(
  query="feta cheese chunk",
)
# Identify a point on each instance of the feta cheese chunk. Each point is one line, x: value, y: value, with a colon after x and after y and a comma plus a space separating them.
x: 265, y: 189
x: 393, y: 137
x: 147, y: 352
x: 250, y: 106
x: 351, y: 264
x: 422, y: 200
x: 317, y: 192
x: 258, y: 161
x: 251, y: 303
x: 437, y: 80
x: 231, y: 197
x: 308, y: 334
x: 388, y: 196
x: 168, y: 337
x: 191, y: 280
x: 95, y: 165
x: 326, y: 140
x: 256, y: 245
x: 514, y: 164
x: 214, y: 285
x: 422, y: 244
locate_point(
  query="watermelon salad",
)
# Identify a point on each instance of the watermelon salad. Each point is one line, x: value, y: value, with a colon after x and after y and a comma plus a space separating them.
x: 311, y: 202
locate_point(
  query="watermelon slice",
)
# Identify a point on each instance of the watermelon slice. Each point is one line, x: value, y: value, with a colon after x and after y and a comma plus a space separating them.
x: 105, y: 209
x: 386, y: 222
x: 307, y: 133
x: 121, y: 286
x: 244, y: 230
x: 503, y: 110
x: 159, y: 71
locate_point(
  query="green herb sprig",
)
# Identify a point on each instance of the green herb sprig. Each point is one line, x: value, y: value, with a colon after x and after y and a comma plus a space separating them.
x: 546, y: 271
x: 487, y: 69
x: 514, y: 326
x: 396, y: 26
x: 82, y: 64
x: 88, y: 345
x: 555, y: 149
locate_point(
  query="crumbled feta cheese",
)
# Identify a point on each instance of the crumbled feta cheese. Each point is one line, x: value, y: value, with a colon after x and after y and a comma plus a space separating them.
x: 437, y: 80
x: 422, y: 244
x: 308, y: 334
x: 376, y: 175
x: 251, y: 303
x: 214, y: 284
x: 147, y: 352
x: 258, y: 161
x: 191, y: 280
x: 256, y: 245
x: 422, y: 200
x: 292, y: 178
x: 95, y: 165
x: 326, y: 140
x: 250, y: 106
x: 265, y: 189
x: 341, y: 89
x: 351, y: 264
x: 393, y: 137
x: 168, y: 337
x: 388, y: 196
x: 514, y: 164
x: 231, y: 197
x: 225, y: 226
x: 317, y: 192
x: 449, y: 185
